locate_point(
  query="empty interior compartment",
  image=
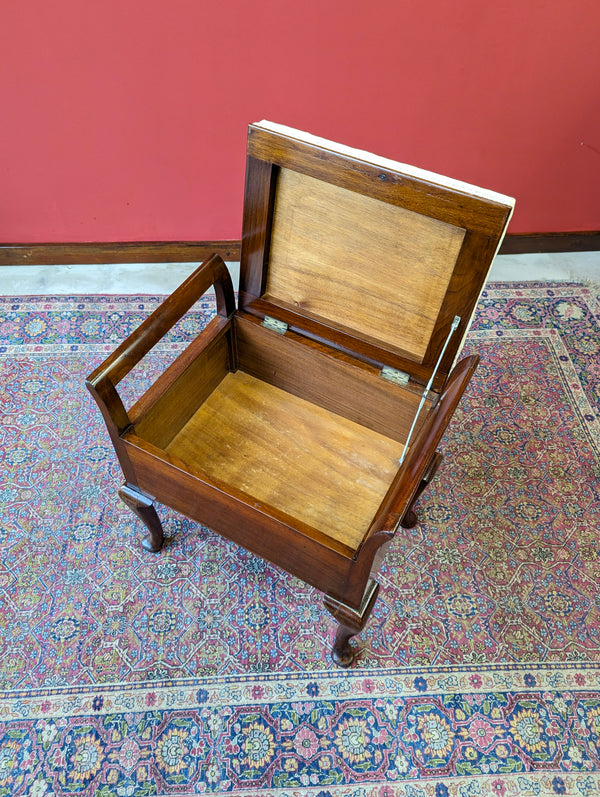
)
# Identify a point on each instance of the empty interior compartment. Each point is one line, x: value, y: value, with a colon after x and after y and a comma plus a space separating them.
x: 328, y: 378
x: 296, y: 426
x: 314, y: 465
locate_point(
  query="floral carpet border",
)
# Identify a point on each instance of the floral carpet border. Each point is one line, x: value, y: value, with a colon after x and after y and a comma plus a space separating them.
x: 265, y: 688
x: 422, y: 732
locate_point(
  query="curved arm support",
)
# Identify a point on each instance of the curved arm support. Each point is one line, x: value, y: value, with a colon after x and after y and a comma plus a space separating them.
x: 103, y: 381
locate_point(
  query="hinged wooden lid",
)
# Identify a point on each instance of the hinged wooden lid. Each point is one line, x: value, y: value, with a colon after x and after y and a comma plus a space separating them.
x: 372, y: 256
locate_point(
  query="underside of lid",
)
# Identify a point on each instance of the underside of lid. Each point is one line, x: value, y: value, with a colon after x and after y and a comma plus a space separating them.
x: 358, y: 262
x: 367, y: 253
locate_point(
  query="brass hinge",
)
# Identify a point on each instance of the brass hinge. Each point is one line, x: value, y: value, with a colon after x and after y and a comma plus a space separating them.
x: 393, y: 375
x: 275, y: 325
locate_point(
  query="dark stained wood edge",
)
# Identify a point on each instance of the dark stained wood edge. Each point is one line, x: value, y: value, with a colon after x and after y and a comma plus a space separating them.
x: 548, y: 242
x: 259, y: 199
x: 419, y: 195
x: 55, y: 254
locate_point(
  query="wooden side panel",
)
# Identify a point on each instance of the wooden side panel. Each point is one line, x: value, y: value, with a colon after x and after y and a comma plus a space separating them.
x: 313, y: 465
x: 328, y: 378
x: 424, y: 446
x: 247, y: 523
x: 354, y: 260
x: 172, y: 411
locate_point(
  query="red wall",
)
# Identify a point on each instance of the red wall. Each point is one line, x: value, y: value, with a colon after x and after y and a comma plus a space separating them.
x: 125, y: 120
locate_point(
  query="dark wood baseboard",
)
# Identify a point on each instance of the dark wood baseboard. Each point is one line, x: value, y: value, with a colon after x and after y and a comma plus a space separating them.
x: 197, y: 251
x: 91, y: 253
x: 529, y: 243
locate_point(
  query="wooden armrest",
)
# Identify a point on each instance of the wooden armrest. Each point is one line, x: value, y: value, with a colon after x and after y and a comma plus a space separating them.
x: 103, y: 381
x: 212, y: 272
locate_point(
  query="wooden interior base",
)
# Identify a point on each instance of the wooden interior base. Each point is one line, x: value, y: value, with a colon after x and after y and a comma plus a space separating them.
x: 312, y: 464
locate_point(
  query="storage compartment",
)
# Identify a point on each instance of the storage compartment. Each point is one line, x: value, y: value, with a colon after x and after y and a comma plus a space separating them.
x: 296, y: 427
x: 309, y: 463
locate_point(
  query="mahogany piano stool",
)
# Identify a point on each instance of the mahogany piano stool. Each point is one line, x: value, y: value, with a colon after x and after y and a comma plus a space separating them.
x: 304, y: 423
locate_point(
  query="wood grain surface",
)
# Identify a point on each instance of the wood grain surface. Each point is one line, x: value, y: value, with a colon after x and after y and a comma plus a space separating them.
x: 332, y: 380
x: 325, y: 470
x: 356, y: 261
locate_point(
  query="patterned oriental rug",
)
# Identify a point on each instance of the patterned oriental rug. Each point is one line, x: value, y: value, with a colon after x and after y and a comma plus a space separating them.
x: 205, y: 669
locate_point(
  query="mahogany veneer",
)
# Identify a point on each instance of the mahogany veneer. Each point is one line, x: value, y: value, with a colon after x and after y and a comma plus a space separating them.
x: 278, y: 426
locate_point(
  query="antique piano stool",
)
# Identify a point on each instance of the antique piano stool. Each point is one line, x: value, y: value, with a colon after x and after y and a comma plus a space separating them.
x: 304, y: 424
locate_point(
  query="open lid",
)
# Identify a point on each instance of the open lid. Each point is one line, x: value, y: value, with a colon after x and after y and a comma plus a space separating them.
x: 369, y: 255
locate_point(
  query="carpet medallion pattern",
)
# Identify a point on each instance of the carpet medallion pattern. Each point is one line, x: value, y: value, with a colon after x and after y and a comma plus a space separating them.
x: 206, y: 669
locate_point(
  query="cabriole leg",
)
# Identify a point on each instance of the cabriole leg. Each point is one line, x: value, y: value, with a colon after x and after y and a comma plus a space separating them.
x: 409, y: 518
x: 143, y: 507
x: 351, y: 622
